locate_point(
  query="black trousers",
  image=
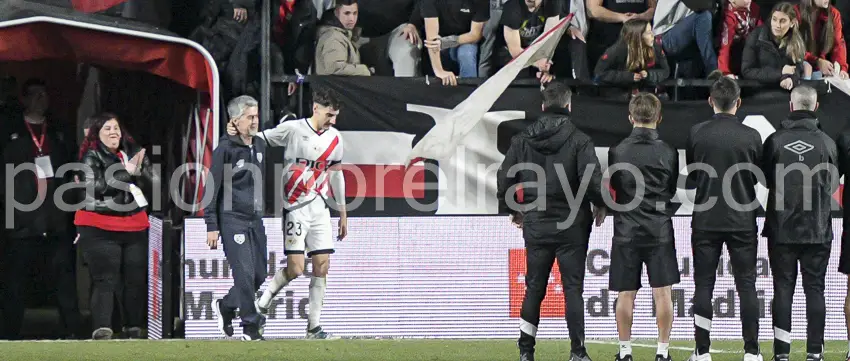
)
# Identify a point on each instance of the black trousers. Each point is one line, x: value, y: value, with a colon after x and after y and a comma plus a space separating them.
x: 246, y: 251
x: 19, y: 256
x: 813, y: 260
x: 743, y: 253
x: 118, y: 263
x: 539, y: 261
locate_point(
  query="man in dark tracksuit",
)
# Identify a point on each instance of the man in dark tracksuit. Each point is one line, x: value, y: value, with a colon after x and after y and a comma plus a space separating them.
x: 560, y: 229
x: 729, y: 147
x: 236, y: 211
x: 644, y: 175
x: 799, y: 165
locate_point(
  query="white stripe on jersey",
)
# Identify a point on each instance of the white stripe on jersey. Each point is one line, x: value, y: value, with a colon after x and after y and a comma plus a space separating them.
x: 307, y: 157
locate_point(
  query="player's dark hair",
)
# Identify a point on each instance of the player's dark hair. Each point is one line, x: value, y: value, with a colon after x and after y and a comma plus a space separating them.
x: 645, y: 108
x: 556, y: 95
x: 725, y: 93
x: 340, y: 3
x: 326, y: 98
x: 25, y: 89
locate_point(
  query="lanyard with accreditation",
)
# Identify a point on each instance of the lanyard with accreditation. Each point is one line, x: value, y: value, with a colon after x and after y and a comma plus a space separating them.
x: 43, y: 167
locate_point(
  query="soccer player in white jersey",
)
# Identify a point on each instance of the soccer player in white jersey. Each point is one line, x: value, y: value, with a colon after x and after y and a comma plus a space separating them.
x: 312, y: 159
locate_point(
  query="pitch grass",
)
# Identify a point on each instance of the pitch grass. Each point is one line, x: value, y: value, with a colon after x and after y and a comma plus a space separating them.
x: 357, y: 350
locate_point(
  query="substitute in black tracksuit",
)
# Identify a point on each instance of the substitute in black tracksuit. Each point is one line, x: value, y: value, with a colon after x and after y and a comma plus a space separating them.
x: 561, y: 229
x: 798, y: 223
x: 727, y: 146
x: 644, y: 173
x: 235, y: 214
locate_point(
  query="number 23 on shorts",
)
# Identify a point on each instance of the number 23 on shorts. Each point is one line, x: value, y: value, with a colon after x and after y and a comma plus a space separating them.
x: 293, y: 228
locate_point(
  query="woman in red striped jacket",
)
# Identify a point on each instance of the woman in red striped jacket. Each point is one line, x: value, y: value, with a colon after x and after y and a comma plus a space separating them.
x: 113, y: 223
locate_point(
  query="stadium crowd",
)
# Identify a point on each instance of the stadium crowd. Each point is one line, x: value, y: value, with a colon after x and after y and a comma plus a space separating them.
x: 625, y: 43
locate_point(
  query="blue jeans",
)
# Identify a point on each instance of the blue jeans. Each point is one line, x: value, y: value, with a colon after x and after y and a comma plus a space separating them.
x: 464, y: 57
x: 695, y: 29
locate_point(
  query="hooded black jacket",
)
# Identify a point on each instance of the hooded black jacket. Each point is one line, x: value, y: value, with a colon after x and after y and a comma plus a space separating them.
x: 566, y: 158
x: 647, y: 222
x: 789, y: 219
x: 108, y: 183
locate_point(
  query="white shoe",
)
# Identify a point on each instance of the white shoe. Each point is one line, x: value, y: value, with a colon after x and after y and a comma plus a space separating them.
x: 263, y: 309
x: 703, y: 357
x: 751, y: 357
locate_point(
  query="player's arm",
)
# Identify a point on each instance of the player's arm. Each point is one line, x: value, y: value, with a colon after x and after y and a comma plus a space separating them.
x: 507, y: 178
x: 590, y: 173
x: 768, y: 162
x: 843, y: 144
x: 279, y: 135
x: 216, y: 176
x: 337, y: 184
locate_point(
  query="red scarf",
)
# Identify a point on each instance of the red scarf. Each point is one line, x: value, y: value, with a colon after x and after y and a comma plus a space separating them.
x: 745, y: 23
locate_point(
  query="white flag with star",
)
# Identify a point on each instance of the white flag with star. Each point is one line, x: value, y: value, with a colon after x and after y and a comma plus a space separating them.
x: 441, y: 142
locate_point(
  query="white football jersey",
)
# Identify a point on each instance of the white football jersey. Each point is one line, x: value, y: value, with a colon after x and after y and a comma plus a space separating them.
x: 307, y: 157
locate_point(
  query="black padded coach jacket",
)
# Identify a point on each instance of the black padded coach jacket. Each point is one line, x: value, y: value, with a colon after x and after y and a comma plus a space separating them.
x: 799, y: 211
x: 554, y: 145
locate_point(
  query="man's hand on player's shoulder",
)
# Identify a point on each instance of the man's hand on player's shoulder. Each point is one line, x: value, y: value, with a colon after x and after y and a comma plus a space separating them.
x: 516, y: 219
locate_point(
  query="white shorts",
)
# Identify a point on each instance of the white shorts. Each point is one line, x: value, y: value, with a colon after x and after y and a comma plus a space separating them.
x: 308, y: 229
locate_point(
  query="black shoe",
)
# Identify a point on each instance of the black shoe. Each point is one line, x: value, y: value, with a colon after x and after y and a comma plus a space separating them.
x: 814, y: 357
x: 251, y: 333
x: 579, y: 356
x: 526, y: 356
x: 103, y: 333
x: 662, y: 358
x: 783, y: 357
x: 133, y: 333
x: 224, y: 317
x: 626, y: 358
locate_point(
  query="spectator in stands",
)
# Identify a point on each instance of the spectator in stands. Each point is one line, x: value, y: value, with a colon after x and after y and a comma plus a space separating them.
x: 740, y: 18
x: 395, y: 25
x: 337, y: 48
x: 775, y: 54
x: 684, y: 29
x: 635, y: 60
x: 453, y: 29
x: 523, y: 21
x: 607, y: 19
x: 820, y: 25
x: 37, y: 140
x: 113, y: 224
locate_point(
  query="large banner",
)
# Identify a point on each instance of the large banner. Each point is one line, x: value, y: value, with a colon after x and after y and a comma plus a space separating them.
x: 462, y: 277
x: 383, y: 119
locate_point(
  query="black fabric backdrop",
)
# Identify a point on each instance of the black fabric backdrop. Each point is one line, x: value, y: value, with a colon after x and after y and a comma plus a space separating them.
x: 380, y: 104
